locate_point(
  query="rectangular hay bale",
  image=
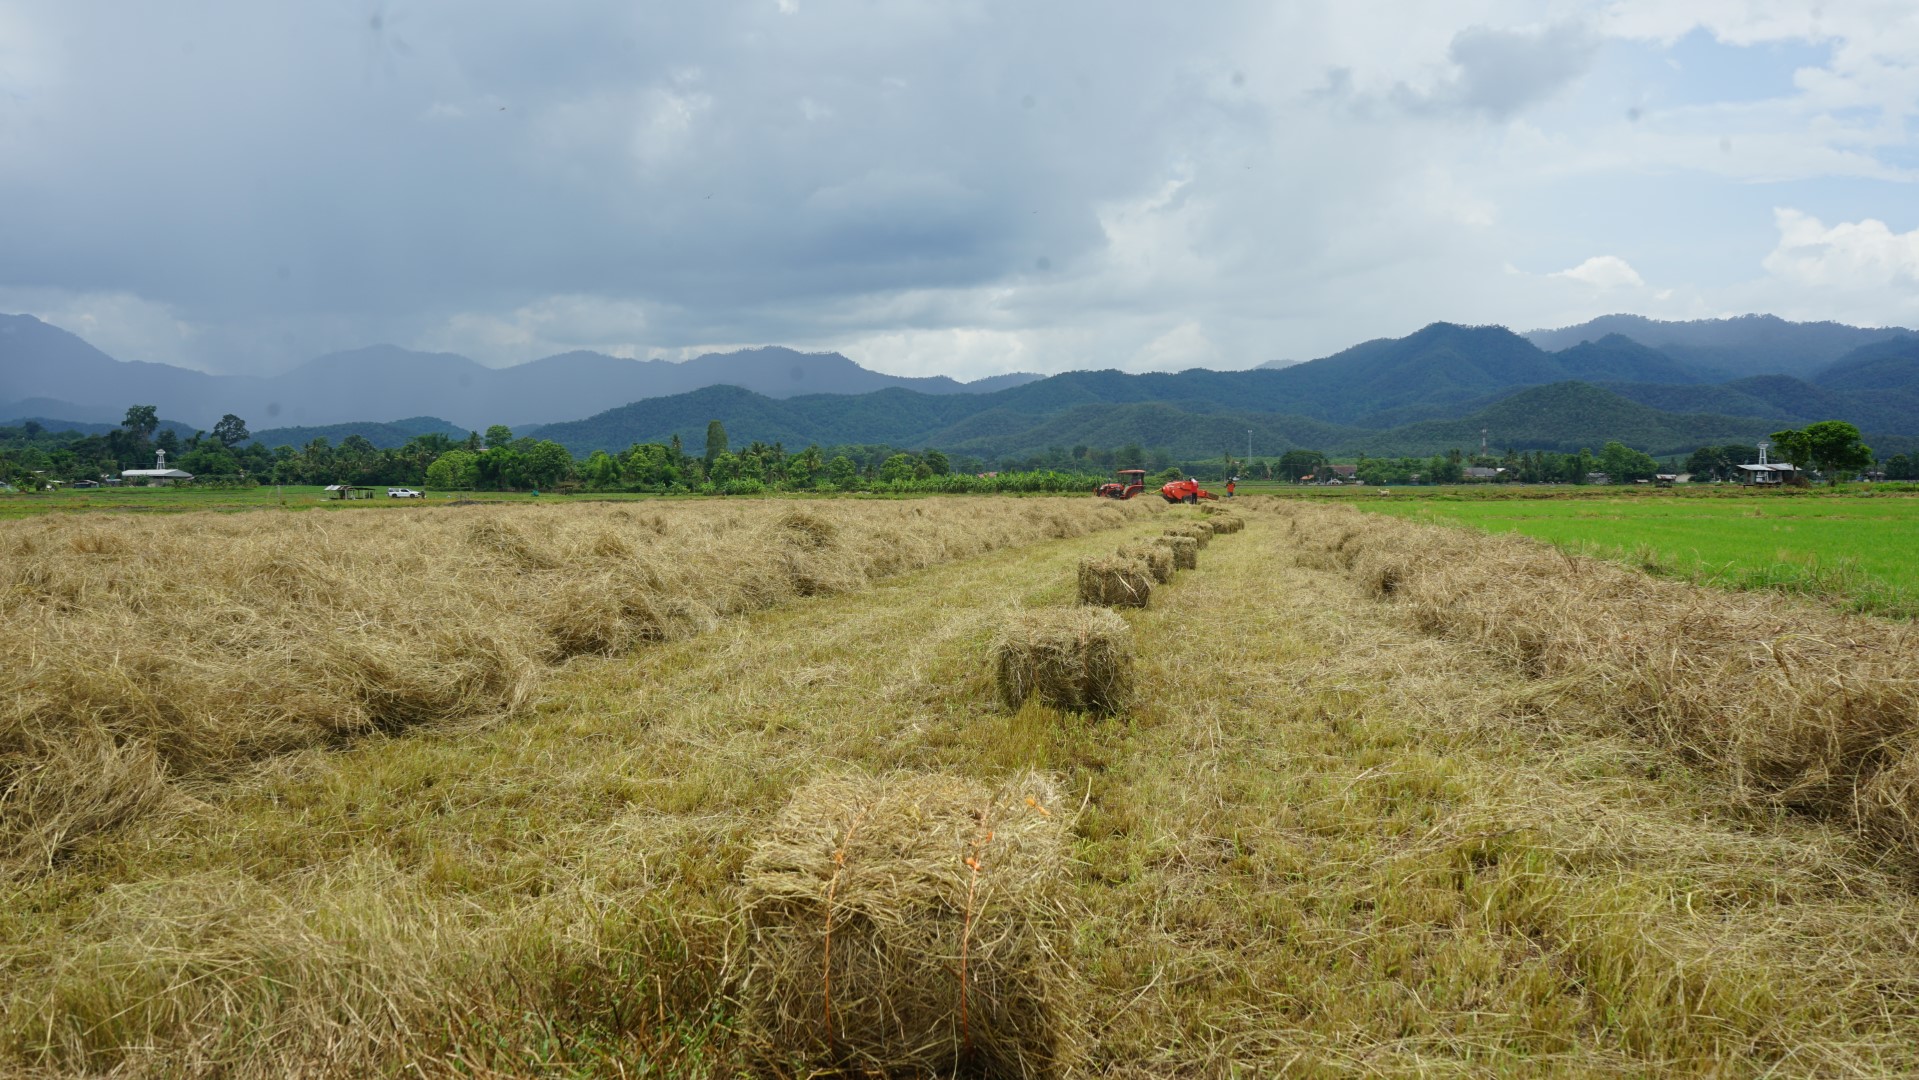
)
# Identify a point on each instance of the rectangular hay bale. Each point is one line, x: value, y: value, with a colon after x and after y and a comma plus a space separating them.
x: 1076, y: 659
x: 914, y: 925
x: 1185, y: 550
x: 1158, y: 560
x: 1200, y: 535
x: 1114, y: 581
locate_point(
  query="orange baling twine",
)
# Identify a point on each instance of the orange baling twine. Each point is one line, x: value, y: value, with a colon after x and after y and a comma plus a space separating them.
x: 966, y: 930
x: 832, y: 886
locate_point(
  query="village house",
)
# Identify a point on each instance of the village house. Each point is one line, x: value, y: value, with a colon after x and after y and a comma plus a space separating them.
x: 1766, y: 472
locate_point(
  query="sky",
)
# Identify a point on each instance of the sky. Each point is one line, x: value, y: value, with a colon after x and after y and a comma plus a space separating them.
x: 961, y: 187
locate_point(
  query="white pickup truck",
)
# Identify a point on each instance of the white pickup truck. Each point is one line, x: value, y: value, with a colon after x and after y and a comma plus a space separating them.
x: 403, y: 493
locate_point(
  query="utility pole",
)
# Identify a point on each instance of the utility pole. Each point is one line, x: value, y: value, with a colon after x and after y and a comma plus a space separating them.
x: 1249, y: 445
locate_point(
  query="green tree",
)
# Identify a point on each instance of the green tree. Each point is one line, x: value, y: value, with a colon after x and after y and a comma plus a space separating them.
x: 898, y: 467
x: 724, y: 468
x: 545, y: 464
x: 499, y: 436
x: 1790, y: 445
x: 1130, y: 456
x: 936, y: 462
x: 1624, y: 464
x: 231, y: 431
x: 1899, y: 467
x: 455, y: 470
x: 1831, y: 446
x: 209, y: 458
x: 806, y: 466
x: 842, y: 472
x: 715, y: 441
x: 1294, y: 464
x: 601, y: 471
x: 142, y: 420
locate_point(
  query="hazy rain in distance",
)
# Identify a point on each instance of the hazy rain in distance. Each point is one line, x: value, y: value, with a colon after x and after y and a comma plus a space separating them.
x: 942, y: 188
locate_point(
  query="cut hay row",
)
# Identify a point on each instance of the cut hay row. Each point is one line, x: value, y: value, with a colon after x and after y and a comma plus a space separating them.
x: 1073, y: 659
x: 145, y: 652
x: 914, y: 925
x: 1798, y: 706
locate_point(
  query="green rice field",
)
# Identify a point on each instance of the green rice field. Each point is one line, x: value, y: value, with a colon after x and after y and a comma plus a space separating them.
x: 1861, y: 551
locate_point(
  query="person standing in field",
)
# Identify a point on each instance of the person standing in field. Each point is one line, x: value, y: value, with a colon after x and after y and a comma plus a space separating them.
x: 1231, y: 483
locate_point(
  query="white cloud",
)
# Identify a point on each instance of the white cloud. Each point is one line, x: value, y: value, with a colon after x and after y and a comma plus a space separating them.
x: 1184, y: 346
x: 1603, y: 272
x: 1861, y: 255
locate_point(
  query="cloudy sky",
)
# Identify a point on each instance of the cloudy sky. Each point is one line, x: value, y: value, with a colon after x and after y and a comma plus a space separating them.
x: 962, y: 187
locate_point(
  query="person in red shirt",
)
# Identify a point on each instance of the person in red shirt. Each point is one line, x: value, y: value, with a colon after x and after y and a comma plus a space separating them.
x: 1231, y: 483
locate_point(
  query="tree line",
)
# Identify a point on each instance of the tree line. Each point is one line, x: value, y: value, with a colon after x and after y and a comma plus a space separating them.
x: 497, y: 460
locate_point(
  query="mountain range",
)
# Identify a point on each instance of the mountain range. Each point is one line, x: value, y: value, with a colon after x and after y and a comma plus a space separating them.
x: 45, y: 370
x: 1715, y: 381
x: 1433, y: 390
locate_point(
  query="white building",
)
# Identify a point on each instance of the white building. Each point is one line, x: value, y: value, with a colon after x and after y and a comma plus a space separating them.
x: 1766, y: 472
x: 159, y: 474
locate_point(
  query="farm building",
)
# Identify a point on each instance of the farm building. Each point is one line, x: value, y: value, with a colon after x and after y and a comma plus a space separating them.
x: 159, y: 474
x: 1773, y: 472
x: 348, y: 491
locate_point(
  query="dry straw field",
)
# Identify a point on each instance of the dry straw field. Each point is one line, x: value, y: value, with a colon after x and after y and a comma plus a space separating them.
x: 149, y: 656
x: 1800, y: 709
x: 1381, y: 800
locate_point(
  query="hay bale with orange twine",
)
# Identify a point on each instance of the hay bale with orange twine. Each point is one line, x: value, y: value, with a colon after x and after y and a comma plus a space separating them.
x: 1158, y: 560
x: 1077, y: 659
x: 913, y: 925
x: 1114, y: 581
x: 1185, y: 551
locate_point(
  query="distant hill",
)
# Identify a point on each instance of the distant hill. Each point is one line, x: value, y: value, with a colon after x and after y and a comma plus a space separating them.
x: 1745, y: 345
x: 1558, y: 416
x: 1875, y: 368
x: 383, y: 382
x: 384, y: 436
x: 1566, y: 417
x: 83, y: 427
x: 33, y: 408
x: 1432, y: 389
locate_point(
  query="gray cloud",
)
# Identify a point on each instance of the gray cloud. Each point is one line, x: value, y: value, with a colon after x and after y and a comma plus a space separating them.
x: 1503, y: 72
x: 995, y: 183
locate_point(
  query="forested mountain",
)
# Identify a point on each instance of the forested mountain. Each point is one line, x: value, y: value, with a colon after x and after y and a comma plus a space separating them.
x: 1431, y: 390
x: 1729, y: 348
x: 1558, y: 416
x: 383, y: 436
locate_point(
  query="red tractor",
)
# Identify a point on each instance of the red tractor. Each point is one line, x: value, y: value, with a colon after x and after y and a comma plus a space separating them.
x: 1131, y: 482
x: 1185, y: 491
